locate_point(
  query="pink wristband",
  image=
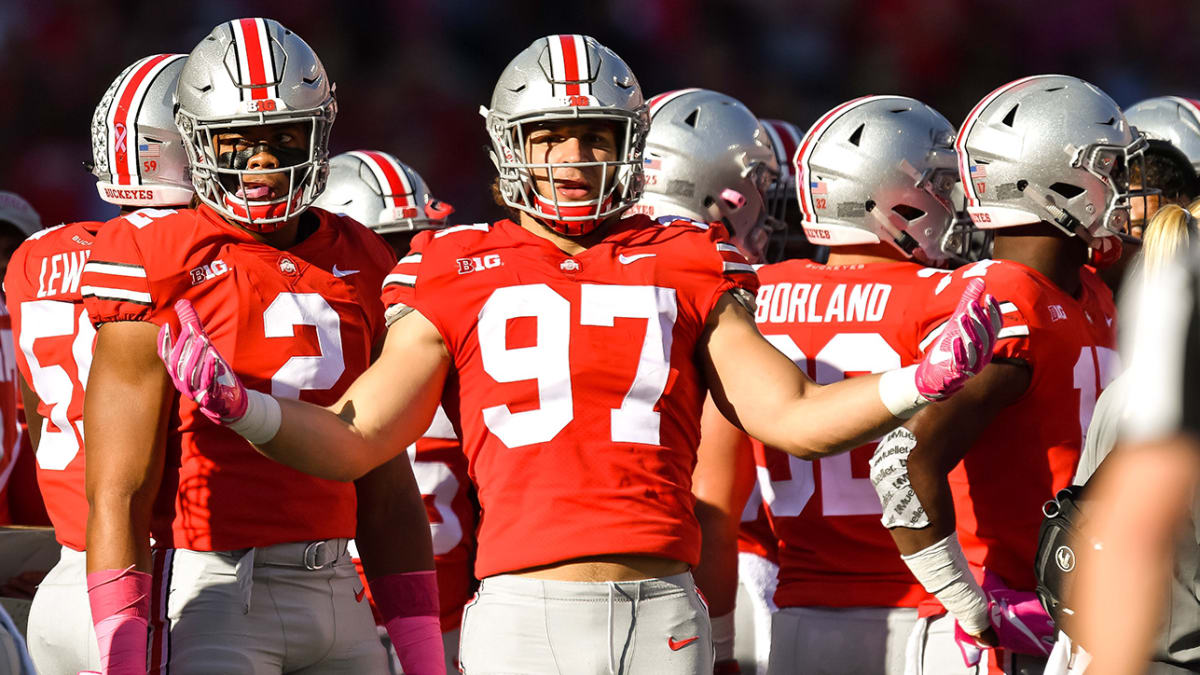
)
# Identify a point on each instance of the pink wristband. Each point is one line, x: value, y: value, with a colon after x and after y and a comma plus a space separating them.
x: 120, y: 602
x: 410, y: 609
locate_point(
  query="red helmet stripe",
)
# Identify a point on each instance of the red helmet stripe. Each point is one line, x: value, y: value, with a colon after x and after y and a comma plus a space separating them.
x: 960, y: 144
x: 122, y: 118
x: 788, y: 137
x: 391, y: 176
x: 666, y: 97
x: 570, y: 60
x: 804, y: 152
x: 254, y: 44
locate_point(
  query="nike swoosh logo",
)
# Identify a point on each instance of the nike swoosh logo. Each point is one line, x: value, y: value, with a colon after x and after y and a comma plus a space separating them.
x: 626, y: 259
x: 343, y: 273
x: 358, y: 595
x: 676, y: 646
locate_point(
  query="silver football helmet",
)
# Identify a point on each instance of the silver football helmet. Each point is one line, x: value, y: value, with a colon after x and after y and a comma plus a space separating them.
x: 879, y: 169
x: 1049, y: 148
x: 1170, y: 118
x: 785, y: 140
x: 138, y: 157
x: 246, y: 73
x: 563, y: 78
x: 708, y: 158
x: 381, y: 192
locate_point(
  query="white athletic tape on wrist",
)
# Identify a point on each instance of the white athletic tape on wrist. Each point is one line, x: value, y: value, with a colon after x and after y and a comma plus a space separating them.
x: 942, y: 570
x: 889, y: 476
x: 262, y: 419
x: 899, y: 393
x: 722, y: 636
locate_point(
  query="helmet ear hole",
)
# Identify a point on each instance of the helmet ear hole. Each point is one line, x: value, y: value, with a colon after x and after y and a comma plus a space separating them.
x: 909, y: 213
x: 1067, y: 190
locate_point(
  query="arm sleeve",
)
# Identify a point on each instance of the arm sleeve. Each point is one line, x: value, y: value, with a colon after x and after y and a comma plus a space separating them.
x: 1013, y: 341
x: 115, y: 285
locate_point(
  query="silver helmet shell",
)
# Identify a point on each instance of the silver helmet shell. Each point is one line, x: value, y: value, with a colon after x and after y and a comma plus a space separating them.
x: 1048, y: 148
x: 708, y: 158
x: 381, y: 192
x: 564, y: 78
x: 878, y: 169
x: 247, y: 73
x: 1170, y: 118
x: 138, y: 158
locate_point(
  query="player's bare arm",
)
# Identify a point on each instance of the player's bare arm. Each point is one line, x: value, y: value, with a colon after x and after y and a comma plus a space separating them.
x: 386, y: 515
x: 387, y: 407
x: 722, y: 482
x: 128, y: 399
x: 33, y: 419
x: 760, y: 390
x: 942, y: 441
x: 931, y: 444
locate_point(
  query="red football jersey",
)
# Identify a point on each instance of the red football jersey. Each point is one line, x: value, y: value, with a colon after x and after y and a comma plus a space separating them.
x: 441, y: 470
x: 9, y: 430
x: 836, y: 322
x: 1031, y: 448
x: 295, y: 323
x: 574, y: 383
x: 55, y: 339
x: 754, y: 532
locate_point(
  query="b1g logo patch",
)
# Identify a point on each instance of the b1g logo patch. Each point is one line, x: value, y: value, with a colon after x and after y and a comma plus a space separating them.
x: 204, y: 273
x: 487, y: 262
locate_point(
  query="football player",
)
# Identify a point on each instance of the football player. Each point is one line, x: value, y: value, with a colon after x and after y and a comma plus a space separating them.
x: 18, y: 220
x: 875, y: 176
x: 572, y: 347
x: 388, y: 196
x: 708, y: 159
x: 139, y: 161
x: 790, y: 242
x: 963, y: 501
x: 251, y: 569
x: 383, y: 193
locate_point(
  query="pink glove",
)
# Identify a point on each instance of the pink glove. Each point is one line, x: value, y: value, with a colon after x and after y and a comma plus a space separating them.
x: 964, y: 347
x: 198, y: 370
x: 1018, y: 618
x: 1021, y: 622
x: 120, y: 602
x: 410, y: 609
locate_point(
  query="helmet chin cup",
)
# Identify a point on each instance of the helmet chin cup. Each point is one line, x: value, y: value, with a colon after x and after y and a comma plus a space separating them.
x: 263, y: 217
x: 571, y: 219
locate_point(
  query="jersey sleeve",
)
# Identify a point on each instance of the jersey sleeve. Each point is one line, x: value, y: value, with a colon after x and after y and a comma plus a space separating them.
x: 400, y: 285
x: 1016, y: 294
x: 377, y: 260
x: 114, y: 284
x: 732, y: 271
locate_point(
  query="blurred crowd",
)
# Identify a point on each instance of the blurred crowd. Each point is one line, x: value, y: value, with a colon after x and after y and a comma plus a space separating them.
x: 411, y: 75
